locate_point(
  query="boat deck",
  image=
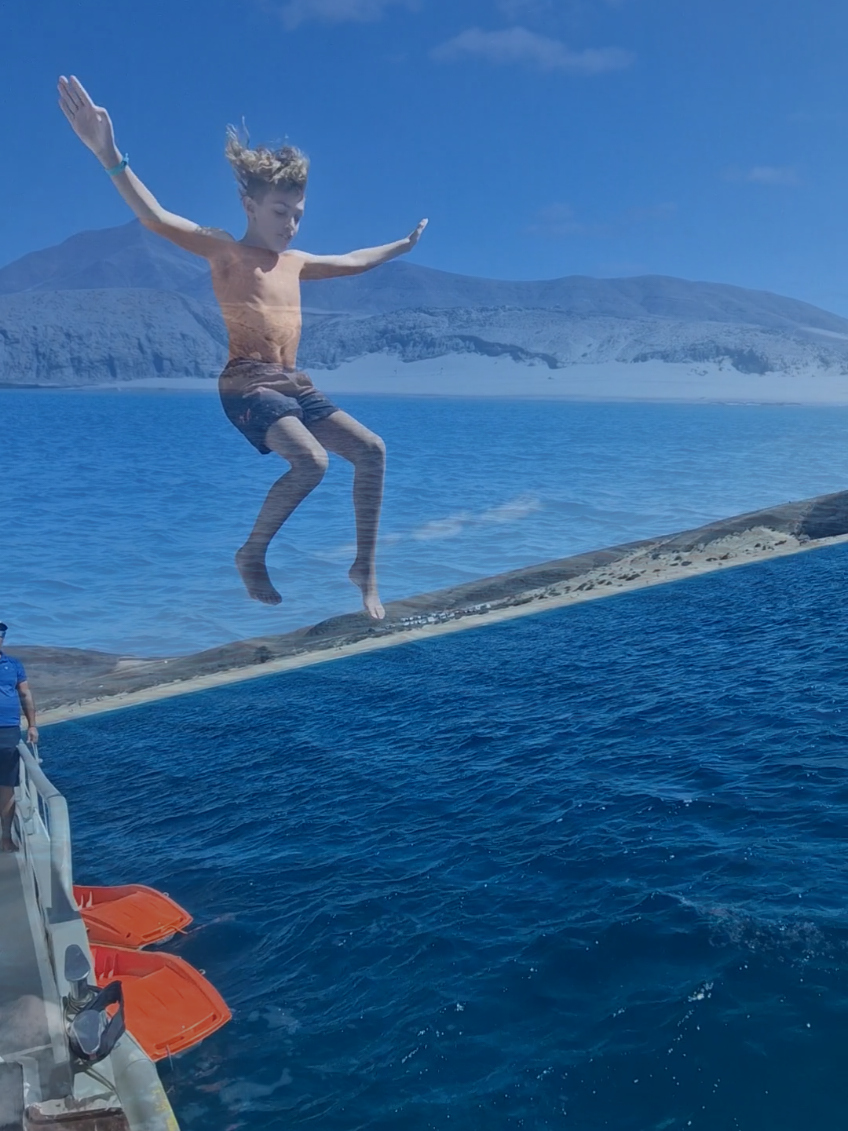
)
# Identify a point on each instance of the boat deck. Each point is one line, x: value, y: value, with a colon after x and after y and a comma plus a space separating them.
x: 25, y: 980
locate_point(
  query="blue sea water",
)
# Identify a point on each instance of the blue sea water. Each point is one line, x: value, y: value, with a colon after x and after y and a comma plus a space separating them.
x: 122, y: 510
x: 584, y: 869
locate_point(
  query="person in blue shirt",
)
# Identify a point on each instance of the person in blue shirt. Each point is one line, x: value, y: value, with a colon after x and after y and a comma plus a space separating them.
x: 15, y: 697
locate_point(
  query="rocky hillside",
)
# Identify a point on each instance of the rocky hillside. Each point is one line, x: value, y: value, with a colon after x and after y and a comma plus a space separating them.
x: 90, y: 337
x: 559, y: 340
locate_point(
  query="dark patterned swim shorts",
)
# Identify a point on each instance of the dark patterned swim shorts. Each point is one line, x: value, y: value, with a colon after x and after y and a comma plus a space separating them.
x: 253, y: 410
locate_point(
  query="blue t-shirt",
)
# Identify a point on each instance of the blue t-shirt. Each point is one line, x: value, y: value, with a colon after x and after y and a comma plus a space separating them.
x: 11, y: 674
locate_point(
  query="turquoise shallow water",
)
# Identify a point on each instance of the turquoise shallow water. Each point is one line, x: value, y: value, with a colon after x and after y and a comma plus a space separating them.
x: 581, y: 870
x: 126, y: 508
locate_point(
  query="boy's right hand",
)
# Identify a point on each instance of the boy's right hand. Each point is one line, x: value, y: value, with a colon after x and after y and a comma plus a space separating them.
x: 414, y: 237
x: 90, y: 123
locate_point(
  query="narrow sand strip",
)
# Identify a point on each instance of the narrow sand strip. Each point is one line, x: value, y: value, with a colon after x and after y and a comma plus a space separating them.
x: 650, y: 564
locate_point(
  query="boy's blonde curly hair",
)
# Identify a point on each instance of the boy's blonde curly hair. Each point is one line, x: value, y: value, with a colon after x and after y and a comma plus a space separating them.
x: 260, y: 169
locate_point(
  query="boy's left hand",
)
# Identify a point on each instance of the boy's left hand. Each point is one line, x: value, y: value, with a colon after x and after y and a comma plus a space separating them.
x: 415, y: 236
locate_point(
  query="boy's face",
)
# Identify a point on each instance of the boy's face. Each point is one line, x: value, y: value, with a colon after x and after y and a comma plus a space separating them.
x: 276, y: 217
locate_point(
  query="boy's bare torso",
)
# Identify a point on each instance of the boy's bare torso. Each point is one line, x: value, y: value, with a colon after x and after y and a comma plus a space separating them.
x: 258, y: 292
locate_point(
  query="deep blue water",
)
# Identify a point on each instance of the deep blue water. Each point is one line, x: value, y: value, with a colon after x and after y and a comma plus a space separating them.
x: 585, y: 869
x: 123, y: 510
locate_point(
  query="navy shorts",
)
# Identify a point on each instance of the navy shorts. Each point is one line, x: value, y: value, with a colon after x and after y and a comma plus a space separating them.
x: 253, y: 412
x: 10, y: 757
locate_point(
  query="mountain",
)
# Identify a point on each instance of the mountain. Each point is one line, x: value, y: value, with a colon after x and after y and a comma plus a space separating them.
x: 124, y: 257
x: 132, y: 257
x: 91, y: 337
x: 121, y: 303
x: 403, y: 285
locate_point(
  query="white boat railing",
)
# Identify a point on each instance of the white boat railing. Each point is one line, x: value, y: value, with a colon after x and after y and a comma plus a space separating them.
x: 43, y: 814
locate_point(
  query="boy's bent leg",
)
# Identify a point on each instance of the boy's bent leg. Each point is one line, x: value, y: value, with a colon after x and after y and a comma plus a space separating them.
x: 346, y: 437
x: 289, y: 438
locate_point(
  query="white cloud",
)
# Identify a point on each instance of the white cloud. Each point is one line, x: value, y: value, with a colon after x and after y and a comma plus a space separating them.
x: 817, y: 118
x: 772, y: 175
x: 561, y: 220
x: 516, y: 9
x: 765, y: 175
x: 518, y: 45
x: 297, y: 12
x: 662, y: 211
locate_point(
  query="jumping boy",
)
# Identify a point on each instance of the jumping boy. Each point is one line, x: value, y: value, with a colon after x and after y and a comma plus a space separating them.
x: 257, y: 283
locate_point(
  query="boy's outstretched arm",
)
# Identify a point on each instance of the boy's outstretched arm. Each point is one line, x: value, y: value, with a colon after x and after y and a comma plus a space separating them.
x: 355, y: 262
x: 93, y: 127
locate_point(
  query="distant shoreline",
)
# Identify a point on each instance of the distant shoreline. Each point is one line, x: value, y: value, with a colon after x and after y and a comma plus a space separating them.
x: 210, y: 386
x: 75, y: 683
x: 473, y: 376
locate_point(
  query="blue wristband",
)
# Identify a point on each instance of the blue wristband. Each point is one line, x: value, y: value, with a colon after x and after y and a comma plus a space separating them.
x: 119, y: 168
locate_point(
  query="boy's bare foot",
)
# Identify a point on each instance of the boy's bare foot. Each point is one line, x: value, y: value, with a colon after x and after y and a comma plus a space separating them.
x: 254, y: 574
x: 366, y: 581
x: 8, y: 845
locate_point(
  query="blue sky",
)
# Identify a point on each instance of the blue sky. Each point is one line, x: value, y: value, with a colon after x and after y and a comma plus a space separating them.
x: 698, y: 138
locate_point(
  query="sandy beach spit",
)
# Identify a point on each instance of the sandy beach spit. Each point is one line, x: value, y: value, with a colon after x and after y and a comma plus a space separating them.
x: 72, y: 683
